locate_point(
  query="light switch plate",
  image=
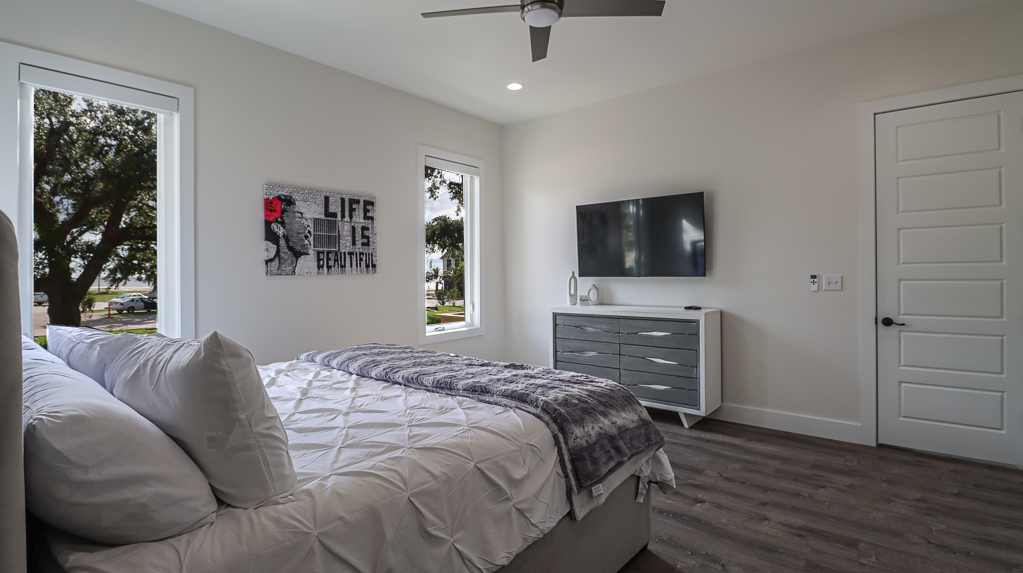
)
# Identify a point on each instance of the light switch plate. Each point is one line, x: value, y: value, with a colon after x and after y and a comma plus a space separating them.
x: 832, y: 282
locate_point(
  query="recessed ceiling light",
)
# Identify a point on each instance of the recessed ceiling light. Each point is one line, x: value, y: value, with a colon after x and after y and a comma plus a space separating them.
x: 514, y: 87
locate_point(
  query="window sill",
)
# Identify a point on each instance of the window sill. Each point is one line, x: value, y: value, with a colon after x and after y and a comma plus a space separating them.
x: 454, y: 334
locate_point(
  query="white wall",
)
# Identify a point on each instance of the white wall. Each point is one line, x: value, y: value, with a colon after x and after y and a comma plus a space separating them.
x: 774, y: 145
x: 265, y: 116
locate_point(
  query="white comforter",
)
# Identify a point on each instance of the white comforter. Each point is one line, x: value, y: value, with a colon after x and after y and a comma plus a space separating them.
x: 389, y: 479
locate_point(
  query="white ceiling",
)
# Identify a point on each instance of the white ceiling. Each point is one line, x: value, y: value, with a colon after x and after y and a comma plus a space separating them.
x: 466, y: 62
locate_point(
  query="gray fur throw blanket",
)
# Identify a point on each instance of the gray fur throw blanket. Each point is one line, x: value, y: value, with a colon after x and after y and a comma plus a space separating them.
x: 598, y: 425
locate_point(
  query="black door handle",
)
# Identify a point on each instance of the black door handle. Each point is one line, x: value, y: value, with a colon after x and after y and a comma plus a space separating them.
x: 888, y: 322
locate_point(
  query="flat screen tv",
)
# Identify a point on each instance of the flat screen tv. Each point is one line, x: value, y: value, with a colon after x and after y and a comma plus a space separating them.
x: 649, y: 237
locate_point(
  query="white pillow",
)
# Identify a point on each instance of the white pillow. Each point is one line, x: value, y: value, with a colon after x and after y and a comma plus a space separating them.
x: 208, y: 396
x: 81, y: 348
x: 32, y: 351
x: 96, y: 468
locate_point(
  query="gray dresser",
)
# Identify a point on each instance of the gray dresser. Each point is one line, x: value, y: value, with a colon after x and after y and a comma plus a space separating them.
x: 668, y: 357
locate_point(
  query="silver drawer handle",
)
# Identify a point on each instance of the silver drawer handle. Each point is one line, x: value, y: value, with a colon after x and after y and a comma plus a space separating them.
x: 654, y: 333
x: 657, y: 360
x: 585, y: 328
x: 585, y: 353
x: 656, y: 386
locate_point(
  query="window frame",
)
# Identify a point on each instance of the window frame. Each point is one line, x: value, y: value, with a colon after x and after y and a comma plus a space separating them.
x: 22, y: 70
x: 472, y: 211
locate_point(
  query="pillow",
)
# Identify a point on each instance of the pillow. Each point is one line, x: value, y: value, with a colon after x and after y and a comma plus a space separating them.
x: 96, y: 468
x: 32, y: 351
x: 208, y: 396
x: 82, y: 349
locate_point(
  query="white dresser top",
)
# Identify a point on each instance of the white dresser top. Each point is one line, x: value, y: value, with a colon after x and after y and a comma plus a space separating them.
x: 638, y: 311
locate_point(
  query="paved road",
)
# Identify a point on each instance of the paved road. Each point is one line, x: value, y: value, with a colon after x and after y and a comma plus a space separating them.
x: 99, y: 320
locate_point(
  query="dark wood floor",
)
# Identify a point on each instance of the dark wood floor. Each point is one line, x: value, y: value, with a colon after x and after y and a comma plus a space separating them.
x: 752, y: 500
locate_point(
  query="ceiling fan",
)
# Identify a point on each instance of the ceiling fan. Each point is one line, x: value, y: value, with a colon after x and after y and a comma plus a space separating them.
x: 540, y: 15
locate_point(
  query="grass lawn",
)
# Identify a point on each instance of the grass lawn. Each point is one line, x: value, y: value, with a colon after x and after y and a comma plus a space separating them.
x: 432, y: 319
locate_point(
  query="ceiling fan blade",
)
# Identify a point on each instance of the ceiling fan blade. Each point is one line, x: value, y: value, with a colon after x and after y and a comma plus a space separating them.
x: 538, y: 40
x: 471, y: 11
x: 575, y: 8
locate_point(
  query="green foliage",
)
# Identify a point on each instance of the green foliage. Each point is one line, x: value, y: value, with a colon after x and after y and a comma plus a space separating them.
x: 437, y: 180
x: 95, y: 197
x: 445, y: 235
x: 442, y: 296
x: 88, y: 304
x: 454, y: 279
x: 432, y: 275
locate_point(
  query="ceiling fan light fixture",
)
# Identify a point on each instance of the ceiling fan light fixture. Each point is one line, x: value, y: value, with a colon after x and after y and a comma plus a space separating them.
x: 541, y: 14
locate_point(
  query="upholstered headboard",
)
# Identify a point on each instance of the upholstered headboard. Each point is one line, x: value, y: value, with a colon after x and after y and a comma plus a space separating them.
x: 12, y: 472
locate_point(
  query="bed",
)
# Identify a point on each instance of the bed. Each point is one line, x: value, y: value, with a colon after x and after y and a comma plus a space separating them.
x: 390, y: 478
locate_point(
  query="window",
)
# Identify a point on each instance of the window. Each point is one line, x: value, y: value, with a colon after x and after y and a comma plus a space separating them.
x: 22, y: 71
x: 450, y: 284
x: 95, y: 207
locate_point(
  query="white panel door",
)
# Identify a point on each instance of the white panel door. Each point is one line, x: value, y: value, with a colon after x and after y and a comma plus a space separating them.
x: 950, y: 269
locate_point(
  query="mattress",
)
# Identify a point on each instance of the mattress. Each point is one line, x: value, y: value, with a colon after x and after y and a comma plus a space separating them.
x: 390, y: 479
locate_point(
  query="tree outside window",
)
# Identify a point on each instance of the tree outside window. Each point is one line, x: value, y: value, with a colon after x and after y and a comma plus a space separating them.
x: 445, y: 245
x: 95, y: 199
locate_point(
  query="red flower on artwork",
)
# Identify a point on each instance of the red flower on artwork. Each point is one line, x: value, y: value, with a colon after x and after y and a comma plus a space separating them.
x: 271, y: 208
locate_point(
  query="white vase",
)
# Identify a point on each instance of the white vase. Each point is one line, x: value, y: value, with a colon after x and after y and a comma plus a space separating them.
x: 594, y: 294
x: 573, y: 289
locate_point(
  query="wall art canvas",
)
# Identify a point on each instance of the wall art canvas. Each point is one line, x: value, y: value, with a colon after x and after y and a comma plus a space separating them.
x: 312, y: 232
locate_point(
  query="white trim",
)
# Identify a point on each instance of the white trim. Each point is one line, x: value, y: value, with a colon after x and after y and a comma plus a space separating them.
x: 473, y: 209
x: 868, y: 232
x: 788, y: 422
x: 175, y: 184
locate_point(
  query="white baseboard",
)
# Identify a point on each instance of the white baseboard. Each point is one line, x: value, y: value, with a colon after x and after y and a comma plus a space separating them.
x: 786, y: 422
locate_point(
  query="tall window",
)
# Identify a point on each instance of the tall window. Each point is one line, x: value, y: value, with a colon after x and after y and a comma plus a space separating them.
x: 451, y: 281
x: 136, y: 107
x: 95, y: 209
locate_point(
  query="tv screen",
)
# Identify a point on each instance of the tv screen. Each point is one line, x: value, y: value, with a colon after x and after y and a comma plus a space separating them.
x: 649, y: 237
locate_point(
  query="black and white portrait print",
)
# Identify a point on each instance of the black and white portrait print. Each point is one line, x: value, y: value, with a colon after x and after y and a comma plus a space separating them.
x: 312, y: 232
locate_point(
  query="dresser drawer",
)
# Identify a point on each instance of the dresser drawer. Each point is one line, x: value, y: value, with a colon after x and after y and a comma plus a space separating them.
x: 596, y: 322
x: 661, y: 355
x: 663, y: 394
x: 633, y: 378
x: 580, y: 332
x: 661, y: 333
x: 598, y: 371
x: 667, y: 361
x: 586, y: 352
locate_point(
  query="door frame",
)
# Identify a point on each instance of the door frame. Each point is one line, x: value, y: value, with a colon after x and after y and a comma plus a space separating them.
x: 868, y: 226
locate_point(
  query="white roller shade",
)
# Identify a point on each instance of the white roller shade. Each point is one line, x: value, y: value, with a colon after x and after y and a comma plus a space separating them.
x: 451, y: 166
x: 95, y: 89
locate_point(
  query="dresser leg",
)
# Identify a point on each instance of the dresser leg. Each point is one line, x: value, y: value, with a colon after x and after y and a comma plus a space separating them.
x: 689, y: 419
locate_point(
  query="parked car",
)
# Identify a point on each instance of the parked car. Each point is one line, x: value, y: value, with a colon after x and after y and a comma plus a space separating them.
x: 41, y: 298
x: 132, y: 303
x: 125, y: 296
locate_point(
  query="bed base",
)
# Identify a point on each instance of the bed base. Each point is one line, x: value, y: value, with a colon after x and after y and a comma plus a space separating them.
x: 602, y: 542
